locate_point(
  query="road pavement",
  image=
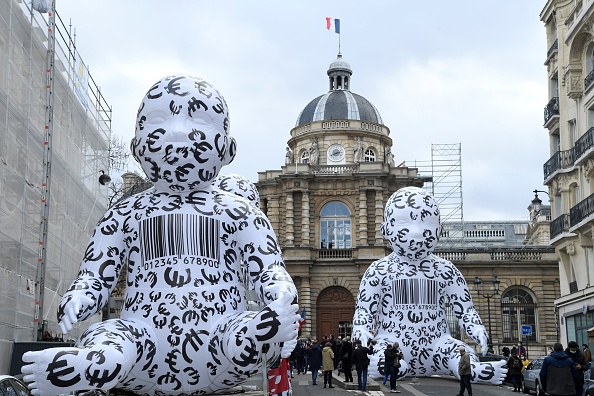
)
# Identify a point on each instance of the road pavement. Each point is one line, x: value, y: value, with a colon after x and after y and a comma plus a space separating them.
x: 424, y: 386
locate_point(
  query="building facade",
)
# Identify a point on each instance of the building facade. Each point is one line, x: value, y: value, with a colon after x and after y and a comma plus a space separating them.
x: 326, y: 205
x: 79, y: 146
x: 568, y: 173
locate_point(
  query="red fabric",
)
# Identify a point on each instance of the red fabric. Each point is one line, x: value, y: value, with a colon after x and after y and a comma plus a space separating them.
x: 328, y: 23
x: 278, y: 378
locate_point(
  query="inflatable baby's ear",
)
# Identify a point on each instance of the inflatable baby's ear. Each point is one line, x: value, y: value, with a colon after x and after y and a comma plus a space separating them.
x: 231, y: 151
x: 133, y: 144
x: 383, y: 229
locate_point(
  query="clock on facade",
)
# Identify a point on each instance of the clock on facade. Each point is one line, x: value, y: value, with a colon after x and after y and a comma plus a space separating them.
x: 335, y: 153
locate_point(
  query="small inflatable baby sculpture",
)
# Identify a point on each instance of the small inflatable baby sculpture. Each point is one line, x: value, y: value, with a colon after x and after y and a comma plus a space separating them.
x: 403, y: 297
x: 184, y: 328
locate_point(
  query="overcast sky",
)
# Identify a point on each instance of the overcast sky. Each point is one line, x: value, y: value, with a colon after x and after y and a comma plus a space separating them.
x: 439, y: 72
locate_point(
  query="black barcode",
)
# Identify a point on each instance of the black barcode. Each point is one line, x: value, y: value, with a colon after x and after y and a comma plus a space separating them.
x: 179, y: 234
x: 415, y: 291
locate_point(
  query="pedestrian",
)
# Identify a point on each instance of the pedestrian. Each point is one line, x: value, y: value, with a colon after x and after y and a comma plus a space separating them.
x: 300, y: 357
x: 464, y: 371
x: 361, y: 361
x: 347, y: 356
x: 328, y: 364
x: 573, y: 351
x: 514, y: 349
x: 396, y: 369
x: 558, y: 373
x: 587, y: 353
x: 505, y: 351
x: 389, y: 357
x: 515, y: 366
x: 307, y: 346
x: 521, y: 350
x: 337, y: 349
x: 315, y: 361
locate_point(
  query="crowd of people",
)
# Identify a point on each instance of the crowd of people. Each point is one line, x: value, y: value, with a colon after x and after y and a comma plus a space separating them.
x: 343, y: 355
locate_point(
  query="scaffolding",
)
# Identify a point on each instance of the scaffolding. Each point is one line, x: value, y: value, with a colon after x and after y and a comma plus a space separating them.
x: 445, y: 168
x: 80, y: 143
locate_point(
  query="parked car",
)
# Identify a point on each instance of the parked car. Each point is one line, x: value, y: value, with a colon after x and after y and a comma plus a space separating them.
x: 490, y: 357
x: 11, y: 386
x: 531, y: 377
x: 588, y: 387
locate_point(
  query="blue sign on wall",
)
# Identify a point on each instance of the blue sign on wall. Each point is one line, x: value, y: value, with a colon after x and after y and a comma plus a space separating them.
x: 526, y: 330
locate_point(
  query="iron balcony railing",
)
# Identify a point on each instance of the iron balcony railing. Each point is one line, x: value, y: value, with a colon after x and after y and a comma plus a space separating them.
x: 582, y: 210
x: 559, y: 225
x: 551, y: 109
x: 584, y: 143
x: 589, y: 79
x: 554, y: 48
x: 560, y: 160
x: 335, y: 253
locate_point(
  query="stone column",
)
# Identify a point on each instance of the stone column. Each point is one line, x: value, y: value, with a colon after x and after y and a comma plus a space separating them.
x: 289, y: 218
x: 305, y: 219
x: 362, y: 235
x: 379, y: 216
x: 305, y: 301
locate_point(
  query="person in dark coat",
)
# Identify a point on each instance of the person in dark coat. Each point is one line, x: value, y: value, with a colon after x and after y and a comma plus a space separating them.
x: 515, y: 366
x: 315, y: 361
x: 300, y: 357
x: 573, y: 351
x: 346, y: 359
x: 558, y: 373
x: 361, y: 361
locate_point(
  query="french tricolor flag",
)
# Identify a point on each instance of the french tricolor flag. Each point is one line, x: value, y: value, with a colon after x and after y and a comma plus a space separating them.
x: 335, y: 22
x: 302, y: 320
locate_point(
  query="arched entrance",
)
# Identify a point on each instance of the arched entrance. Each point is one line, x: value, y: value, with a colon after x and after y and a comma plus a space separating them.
x: 335, y: 311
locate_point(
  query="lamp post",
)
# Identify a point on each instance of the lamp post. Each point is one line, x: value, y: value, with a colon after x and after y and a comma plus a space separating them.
x: 478, y: 287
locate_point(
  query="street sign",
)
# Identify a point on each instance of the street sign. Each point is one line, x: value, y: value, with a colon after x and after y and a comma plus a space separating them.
x: 526, y: 330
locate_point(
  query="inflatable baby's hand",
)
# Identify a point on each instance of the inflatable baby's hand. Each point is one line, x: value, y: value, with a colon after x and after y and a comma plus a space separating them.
x: 362, y: 334
x: 482, y: 338
x: 279, y: 321
x: 288, y: 347
x: 276, y: 289
x: 71, y: 309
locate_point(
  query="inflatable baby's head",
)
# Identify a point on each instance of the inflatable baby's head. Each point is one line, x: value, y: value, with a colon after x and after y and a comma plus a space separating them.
x: 182, y: 134
x: 411, y: 223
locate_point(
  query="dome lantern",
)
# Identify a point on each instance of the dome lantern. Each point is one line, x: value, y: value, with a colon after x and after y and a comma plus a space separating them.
x: 339, y: 73
x: 339, y: 103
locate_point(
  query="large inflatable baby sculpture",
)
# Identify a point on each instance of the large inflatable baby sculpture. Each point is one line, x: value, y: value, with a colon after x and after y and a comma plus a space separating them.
x: 403, y: 297
x: 184, y: 328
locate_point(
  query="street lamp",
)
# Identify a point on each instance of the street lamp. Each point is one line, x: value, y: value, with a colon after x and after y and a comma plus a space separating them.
x: 478, y: 287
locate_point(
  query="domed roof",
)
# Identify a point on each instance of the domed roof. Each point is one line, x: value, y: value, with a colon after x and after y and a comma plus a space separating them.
x: 339, y: 103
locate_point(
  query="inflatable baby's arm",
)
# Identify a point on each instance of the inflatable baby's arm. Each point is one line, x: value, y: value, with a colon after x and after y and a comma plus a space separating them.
x: 367, y: 306
x: 461, y: 300
x: 98, y: 274
x: 265, y: 263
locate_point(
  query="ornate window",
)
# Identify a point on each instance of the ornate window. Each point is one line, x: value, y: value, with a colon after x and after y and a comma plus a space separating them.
x: 335, y: 226
x: 369, y: 155
x: 305, y: 157
x: 517, y: 309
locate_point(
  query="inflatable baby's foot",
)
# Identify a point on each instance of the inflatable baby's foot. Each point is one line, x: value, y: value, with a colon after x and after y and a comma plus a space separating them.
x: 52, y: 371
